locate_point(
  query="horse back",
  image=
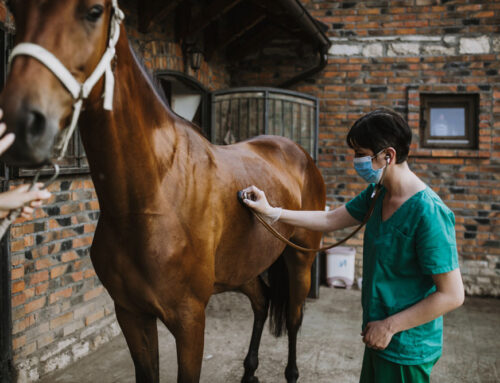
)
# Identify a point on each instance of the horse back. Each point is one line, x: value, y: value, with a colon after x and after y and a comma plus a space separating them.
x: 290, y: 179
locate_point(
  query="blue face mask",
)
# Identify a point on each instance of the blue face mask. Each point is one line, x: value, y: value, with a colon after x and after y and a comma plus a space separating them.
x: 363, y: 166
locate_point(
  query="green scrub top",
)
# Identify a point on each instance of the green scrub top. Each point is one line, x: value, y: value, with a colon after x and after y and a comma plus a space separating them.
x: 400, y: 255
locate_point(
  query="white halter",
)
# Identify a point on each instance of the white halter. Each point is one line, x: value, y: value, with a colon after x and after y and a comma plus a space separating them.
x: 78, y: 90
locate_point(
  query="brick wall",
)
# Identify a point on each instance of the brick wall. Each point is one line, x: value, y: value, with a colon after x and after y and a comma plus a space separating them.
x: 385, y: 53
x: 60, y: 310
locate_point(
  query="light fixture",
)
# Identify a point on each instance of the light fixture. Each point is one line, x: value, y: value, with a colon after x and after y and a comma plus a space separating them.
x: 195, y: 58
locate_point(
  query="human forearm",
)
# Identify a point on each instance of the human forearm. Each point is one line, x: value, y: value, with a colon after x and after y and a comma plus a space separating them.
x: 428, y: 309
x: 312, y: 220
x: 448, y: 296
x: 319, y: 220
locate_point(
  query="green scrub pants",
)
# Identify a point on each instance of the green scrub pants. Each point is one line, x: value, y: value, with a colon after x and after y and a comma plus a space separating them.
x: 379, y: 370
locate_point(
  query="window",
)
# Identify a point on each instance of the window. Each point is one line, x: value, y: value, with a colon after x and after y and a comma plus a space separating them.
x: 449, y: 120
x: 186, y: 97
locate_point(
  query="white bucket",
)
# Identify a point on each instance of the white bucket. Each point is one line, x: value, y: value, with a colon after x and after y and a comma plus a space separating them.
x: 340, y: 266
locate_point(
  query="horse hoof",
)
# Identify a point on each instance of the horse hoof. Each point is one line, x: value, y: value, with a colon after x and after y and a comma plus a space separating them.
x: 251, y: 379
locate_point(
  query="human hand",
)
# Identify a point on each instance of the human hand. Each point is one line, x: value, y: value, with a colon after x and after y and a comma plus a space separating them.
x: 256, y: 199
x: 6, y: 140
x: 22, y: 197
x: 377, y: 334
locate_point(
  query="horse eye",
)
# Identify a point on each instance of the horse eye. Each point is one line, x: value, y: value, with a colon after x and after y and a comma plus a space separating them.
x: 94, y: 13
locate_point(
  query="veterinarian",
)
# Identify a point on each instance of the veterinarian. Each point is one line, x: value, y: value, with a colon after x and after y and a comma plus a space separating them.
x: 410, y: 263
x: 21, y: 196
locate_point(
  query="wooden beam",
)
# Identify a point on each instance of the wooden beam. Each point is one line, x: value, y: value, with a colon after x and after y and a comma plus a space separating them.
x: 240, y: 49
x: 154, y: 11
x: 215, y: 10
x: 236, y: 32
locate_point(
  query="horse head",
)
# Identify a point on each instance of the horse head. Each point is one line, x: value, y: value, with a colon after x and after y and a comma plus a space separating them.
x: 59, y: 47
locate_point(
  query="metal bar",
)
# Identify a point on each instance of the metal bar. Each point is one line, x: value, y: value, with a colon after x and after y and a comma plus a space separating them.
x: 300, y: 123
x: 251, y: 89
x: 316, y: 132
x: 266, y: 112
x: 248, y: 117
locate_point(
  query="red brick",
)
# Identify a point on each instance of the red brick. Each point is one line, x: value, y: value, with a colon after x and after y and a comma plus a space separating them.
x: 44, y: 263
x: 66, y: 293
x: 17, y: 273
x: 78, y: 276
x: 94, y: 317
x: 41, y: 276
x: 89, y: 273
x: 41, y: 288
x: 93, y: 293
x: 19, y: 342
x: 69, y: 256
x: 17, y: 286
x: 61, y: 320
x: 18, y: 299
x: 58, y: 271
x: 35, y: 305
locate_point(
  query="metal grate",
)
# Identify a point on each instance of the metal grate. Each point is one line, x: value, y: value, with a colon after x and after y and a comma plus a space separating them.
x: 242, y: 113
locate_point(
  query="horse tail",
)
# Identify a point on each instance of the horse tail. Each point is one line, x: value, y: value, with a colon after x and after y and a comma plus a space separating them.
x: 278, y: 296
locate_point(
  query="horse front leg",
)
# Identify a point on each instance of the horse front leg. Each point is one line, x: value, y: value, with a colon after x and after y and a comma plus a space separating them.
x: 188, y: 329
x: 141, y: 334
x: 255, y: 290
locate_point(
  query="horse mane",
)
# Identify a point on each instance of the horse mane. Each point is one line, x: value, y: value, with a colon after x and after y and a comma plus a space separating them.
x: 154, y: 82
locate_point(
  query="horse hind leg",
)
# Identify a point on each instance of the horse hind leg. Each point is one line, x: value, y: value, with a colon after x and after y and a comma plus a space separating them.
x: 141, y: 334
x: 298, y: 265
x: 255, y: 290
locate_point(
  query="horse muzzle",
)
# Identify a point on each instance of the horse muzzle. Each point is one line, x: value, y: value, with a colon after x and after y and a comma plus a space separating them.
x: 35, y: 135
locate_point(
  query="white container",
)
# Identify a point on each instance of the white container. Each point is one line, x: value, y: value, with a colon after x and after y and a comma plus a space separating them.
x: 340, y: 266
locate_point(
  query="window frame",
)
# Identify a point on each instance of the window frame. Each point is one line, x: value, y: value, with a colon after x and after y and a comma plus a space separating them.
x: 205, y: 127
x: 470, y: 103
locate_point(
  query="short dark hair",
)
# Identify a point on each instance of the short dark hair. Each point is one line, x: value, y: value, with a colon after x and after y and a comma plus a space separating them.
x: 380, y: 129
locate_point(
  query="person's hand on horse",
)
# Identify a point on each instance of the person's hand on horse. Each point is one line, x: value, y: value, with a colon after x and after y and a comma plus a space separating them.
x: 21, y: 196
x: 6, y: 140
x: 256, y: 199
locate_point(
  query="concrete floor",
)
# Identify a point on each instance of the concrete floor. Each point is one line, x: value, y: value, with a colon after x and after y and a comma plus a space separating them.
x: 329, y: 347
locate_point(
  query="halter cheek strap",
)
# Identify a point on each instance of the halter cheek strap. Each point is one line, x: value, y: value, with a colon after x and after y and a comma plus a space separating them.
x: 78, y: 91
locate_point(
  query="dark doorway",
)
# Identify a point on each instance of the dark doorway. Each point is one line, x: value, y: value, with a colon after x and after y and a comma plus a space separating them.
x: 6, y: 371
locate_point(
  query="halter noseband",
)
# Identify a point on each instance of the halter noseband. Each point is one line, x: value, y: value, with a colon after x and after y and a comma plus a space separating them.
x: 78, y: 90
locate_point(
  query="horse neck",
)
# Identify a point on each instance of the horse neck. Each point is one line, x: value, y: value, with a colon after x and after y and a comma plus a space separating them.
x: 131, y: 149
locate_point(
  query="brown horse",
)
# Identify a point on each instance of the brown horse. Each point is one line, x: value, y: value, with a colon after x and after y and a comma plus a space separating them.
x: 171, y: 232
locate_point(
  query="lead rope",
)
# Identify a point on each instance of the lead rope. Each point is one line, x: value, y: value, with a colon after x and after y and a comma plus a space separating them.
x: 374, y: 197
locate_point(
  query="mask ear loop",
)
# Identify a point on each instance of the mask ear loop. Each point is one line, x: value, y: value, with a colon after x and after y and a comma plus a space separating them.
x: 379, y: 184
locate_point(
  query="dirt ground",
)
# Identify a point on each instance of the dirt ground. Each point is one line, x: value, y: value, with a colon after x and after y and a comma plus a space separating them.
x: 329, y: 347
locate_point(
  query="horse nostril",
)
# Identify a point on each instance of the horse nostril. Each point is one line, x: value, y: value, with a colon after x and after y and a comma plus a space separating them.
x: 35, y: 123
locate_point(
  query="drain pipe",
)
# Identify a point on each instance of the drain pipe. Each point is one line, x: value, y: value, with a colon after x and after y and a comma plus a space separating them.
x: 305, y: 20
x: 323, y: 60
